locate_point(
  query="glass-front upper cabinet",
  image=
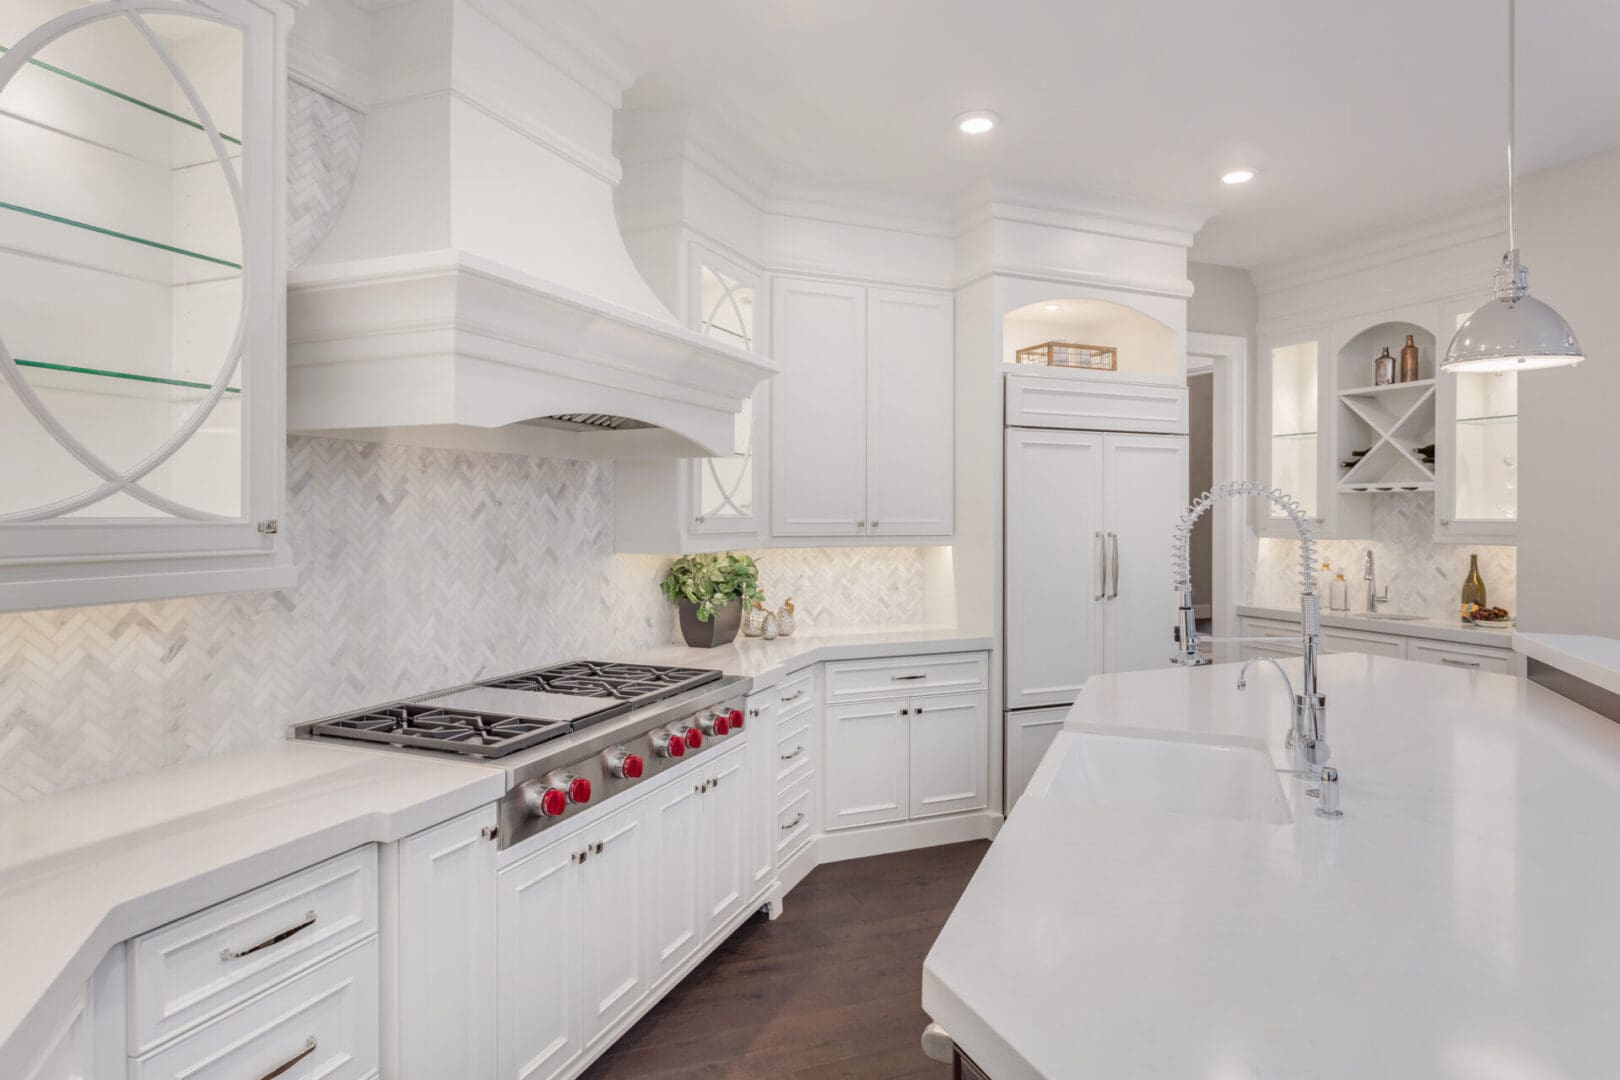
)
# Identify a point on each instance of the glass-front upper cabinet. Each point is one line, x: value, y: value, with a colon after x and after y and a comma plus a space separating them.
x: 1478, y: 442
x: 1291, y: 381
x: 141, y: 339
x: 723, y: 490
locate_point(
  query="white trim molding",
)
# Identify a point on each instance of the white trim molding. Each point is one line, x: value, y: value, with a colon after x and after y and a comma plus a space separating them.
x: 1227, y: 357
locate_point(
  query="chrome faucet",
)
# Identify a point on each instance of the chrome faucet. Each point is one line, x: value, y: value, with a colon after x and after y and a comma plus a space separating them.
x: 1307, y: 732
x: 1370, y: 573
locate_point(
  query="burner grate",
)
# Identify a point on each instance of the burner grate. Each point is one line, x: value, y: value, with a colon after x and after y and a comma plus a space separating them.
x: 621, y: 682
x: 443, y: 729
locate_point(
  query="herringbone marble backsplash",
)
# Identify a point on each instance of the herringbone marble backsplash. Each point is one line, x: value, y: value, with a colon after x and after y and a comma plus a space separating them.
x: 417, y: 569
x: 1423, y: 577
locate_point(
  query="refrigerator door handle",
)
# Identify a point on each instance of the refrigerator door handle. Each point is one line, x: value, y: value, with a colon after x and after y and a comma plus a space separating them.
x: 1102, y: 566
x: 1113, y: 540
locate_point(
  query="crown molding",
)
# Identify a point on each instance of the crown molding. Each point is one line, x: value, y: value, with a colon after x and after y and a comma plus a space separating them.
x: 1480, y: 220
x: 1174, y: 290
x: 1106, y: 215
x: 327, y: 75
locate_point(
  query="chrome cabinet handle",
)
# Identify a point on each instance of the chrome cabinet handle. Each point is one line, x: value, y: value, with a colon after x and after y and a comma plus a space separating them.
x: 797, y: 750
x: 907, y: 678
x: 860, y: 524
x: 1113, y: 540
x: 874, y: 524
x: 309, y: 1048
x: 1102, y: 566
x: 795, y: 696
x: 1454, y: 662
x: 274, y: 939
x: 795, y: 823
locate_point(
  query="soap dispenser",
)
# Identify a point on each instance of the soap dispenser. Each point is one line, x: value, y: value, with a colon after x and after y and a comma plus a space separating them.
x: 1339, y: 594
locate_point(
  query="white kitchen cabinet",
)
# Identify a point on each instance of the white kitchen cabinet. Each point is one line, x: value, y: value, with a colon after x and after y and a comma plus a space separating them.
x: 1088, y: 524
x: 1462, y: 657
x: 1029, y: 733
x: 142, y: 315
x: 758, y: 834
x: 724, y: 823
x: 676, y: 814
x: 1392, y: 643
x: 1476, y: 448
x: 862, y: 416
x: 867, y: 763
x: 949, y: 739
x: 88, y: 1042
x: 613, y: 909
x: 910, y: 404
x: 538, y: 960
x: 1294, y: 406
x: 818, y: 408
x: 445, y: 950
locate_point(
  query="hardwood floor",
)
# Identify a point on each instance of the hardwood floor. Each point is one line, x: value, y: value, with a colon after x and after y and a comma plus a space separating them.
x: 831, y: 990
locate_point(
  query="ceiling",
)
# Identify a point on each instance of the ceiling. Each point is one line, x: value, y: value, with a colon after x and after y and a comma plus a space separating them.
x: 1357, y: 115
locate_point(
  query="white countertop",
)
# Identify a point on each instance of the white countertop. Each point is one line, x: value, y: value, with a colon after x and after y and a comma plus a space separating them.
x: 1433, y: 629
x: 1456, y: 924
x: 1594, y: 659
x: 88, y: 868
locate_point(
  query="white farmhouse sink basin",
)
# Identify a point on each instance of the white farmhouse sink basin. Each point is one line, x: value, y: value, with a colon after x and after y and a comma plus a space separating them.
x: 1162, y: 771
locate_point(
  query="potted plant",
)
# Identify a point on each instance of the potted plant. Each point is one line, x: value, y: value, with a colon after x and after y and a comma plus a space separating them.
x: 712, y: 591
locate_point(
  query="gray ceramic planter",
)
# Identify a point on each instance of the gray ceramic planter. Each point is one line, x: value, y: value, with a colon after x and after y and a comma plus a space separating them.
x: 721, y: 629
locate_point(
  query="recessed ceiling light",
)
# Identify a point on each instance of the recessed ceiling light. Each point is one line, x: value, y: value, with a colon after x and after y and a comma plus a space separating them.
x: 1238, y: 176
x: 976, y: 122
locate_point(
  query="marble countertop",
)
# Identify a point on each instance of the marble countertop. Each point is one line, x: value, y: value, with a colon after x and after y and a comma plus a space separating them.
x: 1585, y: 656
x: 1456, y: 924
x: 1434, y: 629
x: 85, y: 869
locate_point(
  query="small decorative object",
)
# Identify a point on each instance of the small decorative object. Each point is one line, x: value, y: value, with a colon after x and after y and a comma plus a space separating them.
x: 1384, y: 369
x: 754, y: 624
x: 1473, y: 590
x: 711, y: 591
x: 1070, y: 355
x: 1339, y: 593
x: 1409, y: 360
x: 785, y: 623
x: 768, y: 630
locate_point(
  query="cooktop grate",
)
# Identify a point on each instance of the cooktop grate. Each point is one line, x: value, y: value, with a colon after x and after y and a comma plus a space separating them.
x: 640, y: 683
x: 433, y: 728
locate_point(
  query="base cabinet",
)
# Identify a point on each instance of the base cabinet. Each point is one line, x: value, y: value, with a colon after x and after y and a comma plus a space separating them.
x: 1468, y: 657
x: 538, y: 987
x: 1029, y: 734
x: 947, y: 740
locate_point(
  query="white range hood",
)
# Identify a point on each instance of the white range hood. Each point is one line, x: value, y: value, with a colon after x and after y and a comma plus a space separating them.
x: 476, y: 291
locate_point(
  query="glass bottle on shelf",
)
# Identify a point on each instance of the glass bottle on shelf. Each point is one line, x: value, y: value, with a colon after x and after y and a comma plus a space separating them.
x: 1473, y: 590
x: 1384, y: 369
x: 1409, y: 360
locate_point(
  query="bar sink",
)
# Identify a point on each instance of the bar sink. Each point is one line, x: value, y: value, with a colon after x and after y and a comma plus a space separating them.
x: 1162, y: 771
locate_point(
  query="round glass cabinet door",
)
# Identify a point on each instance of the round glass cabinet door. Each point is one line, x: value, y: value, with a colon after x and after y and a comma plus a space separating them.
x: 122, y: 318
x: 725, y: 486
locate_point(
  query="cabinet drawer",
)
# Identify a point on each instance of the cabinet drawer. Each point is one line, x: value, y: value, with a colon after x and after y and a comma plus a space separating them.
x: 1465, y: 657
x: 794, y: 820
x: 322, y: 1023
x: 1335, y: 640
x: 796, y: 694
x: 793, y: 754
x: 857, y: 680
x: 188, y: 971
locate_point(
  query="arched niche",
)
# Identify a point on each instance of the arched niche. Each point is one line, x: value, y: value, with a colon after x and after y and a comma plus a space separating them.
x: 1146, y: 346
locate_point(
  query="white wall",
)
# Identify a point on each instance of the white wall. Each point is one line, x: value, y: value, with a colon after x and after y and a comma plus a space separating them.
x: 1569, y: 500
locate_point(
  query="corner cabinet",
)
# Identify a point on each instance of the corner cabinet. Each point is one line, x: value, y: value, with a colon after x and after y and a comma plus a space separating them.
x: 862, y: 416
x: 142, y: 323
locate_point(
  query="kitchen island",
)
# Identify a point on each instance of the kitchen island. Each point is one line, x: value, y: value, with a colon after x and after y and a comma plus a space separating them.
x: 1162, y: 912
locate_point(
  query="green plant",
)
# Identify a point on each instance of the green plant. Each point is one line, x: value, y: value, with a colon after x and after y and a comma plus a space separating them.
x: 712, y: 581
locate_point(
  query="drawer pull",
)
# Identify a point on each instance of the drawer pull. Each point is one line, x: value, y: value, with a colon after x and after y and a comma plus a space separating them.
x: 798, y: 819
x: 908, y: 678
x: 795, y: 696
x: 309, y: 1048
x: 275, y: 939
x: 1454, y: 662
x: 797, y: 750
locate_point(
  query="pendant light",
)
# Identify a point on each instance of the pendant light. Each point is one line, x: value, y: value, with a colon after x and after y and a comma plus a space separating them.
x: 1513, y: 331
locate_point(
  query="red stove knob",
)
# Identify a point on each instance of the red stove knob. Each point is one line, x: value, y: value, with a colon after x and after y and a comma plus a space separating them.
x: 624, y: 765
x: 668, y: 744
x: 579, y: 789
x: 694, y: 738
x: 718, y: 724
x: 736, y: 718
x: 545, y: 802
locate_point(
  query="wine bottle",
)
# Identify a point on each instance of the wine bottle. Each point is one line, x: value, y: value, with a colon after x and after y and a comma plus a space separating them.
x: 1473, y: 590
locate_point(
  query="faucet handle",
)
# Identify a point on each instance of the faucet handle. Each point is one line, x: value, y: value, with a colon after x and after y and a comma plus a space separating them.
x: 1330, y: 794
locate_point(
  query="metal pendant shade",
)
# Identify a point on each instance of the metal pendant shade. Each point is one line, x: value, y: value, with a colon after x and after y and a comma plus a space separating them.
x: 1513, y: 331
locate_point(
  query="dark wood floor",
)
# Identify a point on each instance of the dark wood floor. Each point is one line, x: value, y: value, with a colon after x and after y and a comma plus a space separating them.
x: 831, y: 990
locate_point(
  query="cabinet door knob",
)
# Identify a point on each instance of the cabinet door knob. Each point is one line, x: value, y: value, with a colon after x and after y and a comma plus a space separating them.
x: 860, y: 524
x: 1445, y: 521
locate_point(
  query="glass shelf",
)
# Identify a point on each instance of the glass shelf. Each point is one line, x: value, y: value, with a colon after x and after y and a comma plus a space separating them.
x: 1507, y: 418
x: 116, y: 235
x: 121, y: 96
x: 129, y: 376
x: 1295, y: 435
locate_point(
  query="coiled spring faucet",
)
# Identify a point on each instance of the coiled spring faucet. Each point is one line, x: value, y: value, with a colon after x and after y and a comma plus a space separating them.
x: 1308, y: 729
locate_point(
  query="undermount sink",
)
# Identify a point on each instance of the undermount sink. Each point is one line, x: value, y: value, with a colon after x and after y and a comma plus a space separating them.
x: 1393, y: 616
x: 1163, y: 771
